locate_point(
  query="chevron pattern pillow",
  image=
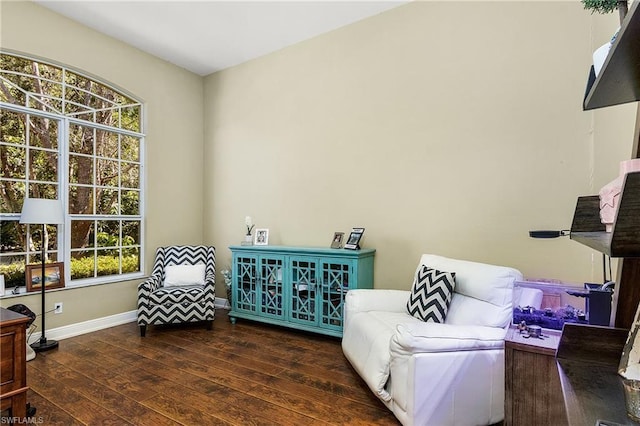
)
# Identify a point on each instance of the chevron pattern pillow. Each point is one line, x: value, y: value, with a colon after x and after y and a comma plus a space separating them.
x: 431, y: 294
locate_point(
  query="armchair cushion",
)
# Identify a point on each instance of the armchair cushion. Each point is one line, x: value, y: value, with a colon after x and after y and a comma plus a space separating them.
x: 431, y: 294
x: 179, y: 275
x: 177, y: 295
x: 491, y: 283
x: 483, y: 293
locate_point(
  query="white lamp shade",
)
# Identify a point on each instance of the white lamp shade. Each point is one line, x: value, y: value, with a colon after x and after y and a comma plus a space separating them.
x: 41, y: 211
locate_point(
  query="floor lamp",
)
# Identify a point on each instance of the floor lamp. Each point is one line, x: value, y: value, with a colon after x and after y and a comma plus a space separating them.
x: 45, y: 212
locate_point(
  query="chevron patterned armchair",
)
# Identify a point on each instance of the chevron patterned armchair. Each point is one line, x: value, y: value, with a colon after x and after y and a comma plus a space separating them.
x: 181, y: 287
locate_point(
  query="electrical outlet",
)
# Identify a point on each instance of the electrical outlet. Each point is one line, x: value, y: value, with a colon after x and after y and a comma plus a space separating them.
x: 58, y: 308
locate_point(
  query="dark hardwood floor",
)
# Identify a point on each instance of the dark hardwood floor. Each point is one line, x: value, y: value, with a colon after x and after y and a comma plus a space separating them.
x: 242, y: 374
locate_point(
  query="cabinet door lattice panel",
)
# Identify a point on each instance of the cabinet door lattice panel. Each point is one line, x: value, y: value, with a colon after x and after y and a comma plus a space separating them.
x: 298, y: 287
x: 271, y: 286
x: 303, y: 291
x: 246, y: 290
x: 335, y: 284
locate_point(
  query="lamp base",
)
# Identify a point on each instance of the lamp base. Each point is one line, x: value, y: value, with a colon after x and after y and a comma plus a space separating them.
x: 44, y: 345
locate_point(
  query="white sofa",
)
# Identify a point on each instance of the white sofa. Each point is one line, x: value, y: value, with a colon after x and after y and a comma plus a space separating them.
x: 430, y: 373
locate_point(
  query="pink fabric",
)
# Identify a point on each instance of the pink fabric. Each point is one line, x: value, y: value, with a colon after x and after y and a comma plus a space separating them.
x: 610, y: 193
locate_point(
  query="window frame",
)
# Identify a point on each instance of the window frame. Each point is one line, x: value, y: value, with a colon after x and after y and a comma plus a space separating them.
x: 64, y: 230
x: 95, y: 216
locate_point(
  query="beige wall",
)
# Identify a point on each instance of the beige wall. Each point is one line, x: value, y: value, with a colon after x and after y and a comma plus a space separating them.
x: 451, y: 128
x: 442, y: 127
x: 174, y: 123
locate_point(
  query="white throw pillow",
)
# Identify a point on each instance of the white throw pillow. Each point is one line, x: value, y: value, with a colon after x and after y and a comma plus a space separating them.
x: 177, y: 275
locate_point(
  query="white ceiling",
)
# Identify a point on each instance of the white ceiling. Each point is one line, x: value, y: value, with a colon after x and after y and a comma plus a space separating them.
x: 208, y: 36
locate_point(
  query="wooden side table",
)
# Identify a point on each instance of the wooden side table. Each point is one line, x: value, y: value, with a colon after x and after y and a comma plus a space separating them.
x: 13, y: 363
x: 533, y: 394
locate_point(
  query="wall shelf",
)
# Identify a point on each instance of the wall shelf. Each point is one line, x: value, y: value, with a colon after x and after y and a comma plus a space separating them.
x: 624, y: 240
x: 619, y: 79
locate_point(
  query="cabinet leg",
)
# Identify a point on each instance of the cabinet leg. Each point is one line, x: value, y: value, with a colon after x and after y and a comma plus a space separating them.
x: 232, y: 319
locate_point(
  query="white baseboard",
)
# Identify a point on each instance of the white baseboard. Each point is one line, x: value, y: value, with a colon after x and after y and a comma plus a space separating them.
x: 223, y: 303
x: 84, y: 327
x: 72, y: 330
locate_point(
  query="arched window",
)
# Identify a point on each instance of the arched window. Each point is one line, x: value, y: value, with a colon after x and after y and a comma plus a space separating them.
x: 64, y: 135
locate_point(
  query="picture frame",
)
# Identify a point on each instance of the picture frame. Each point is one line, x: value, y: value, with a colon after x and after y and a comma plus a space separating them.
x: 53, y: 272
x: 353, y: 243
x: 336, y: 243
x: 262, y: 237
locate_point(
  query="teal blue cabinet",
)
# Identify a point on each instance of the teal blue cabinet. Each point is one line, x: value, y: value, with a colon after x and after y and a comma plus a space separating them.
x: 298, y: 287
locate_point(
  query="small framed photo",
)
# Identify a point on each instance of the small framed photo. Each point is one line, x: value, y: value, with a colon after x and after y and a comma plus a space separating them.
x: 353, y: 243
x: 337, y: 240
x: 262, y: 237
x: 53, y: 276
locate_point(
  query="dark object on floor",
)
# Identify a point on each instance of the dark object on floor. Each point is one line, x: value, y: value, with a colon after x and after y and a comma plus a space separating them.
x: 24, y: 310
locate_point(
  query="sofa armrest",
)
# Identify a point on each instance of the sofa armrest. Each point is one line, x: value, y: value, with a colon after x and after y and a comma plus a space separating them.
x: 363, y: 300
x: 435, y: 337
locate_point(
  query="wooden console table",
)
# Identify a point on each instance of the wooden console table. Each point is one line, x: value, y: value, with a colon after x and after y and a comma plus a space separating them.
x: 13, y: 363
x: 533, y: 395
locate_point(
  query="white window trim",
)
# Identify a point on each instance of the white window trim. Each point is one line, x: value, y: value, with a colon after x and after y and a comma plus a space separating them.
x: 64, y: 244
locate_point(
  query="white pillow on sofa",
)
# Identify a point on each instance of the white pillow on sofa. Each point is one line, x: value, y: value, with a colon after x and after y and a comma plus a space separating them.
x: 178, y: 275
